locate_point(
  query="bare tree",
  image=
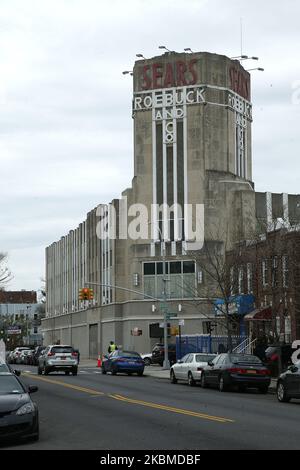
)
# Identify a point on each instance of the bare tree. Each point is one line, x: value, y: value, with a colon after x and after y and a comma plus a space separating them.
x: 5, y: 274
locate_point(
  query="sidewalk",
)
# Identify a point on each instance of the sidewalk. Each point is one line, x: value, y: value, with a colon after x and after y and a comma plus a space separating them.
x: 160, y: 373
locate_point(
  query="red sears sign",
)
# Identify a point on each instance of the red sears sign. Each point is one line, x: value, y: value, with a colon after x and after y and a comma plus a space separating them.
x: 168, y: 75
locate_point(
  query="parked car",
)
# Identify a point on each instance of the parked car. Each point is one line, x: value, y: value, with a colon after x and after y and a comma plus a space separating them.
x: 190, y: 367
x: 37, y: 353
x: 276, y: 355
x: 17, y: 353
x: 147, y: 358
x: 58, y: 358
x: 123, y: 361
x: 24, y: 356
x: 158, y: 354
x: 288, y: 384
x: 243, y: 370
x: 18, y: 413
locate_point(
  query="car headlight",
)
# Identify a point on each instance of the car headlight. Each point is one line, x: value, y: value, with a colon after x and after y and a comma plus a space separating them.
x: 25, y: 409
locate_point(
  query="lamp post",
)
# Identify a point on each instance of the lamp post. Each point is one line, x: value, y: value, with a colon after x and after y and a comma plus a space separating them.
x: 166, y: 363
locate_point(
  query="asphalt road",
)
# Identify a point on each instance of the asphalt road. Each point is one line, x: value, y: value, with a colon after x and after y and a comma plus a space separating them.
x: 104, y: 412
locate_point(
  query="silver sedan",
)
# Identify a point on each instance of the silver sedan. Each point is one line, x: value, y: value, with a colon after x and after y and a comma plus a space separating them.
x: 190, y: 367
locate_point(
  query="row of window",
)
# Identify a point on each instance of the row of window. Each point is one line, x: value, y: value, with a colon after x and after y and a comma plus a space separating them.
x: 180, y: 283
x: 241, y: 279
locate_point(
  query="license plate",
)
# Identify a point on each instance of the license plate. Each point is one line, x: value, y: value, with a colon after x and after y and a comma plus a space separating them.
x: 132, y: 363
x: 63, y: 358
x: 251, y: 371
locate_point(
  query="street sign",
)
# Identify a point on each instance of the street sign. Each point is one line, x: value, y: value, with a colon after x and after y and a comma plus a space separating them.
x: 181, y: 322
x: 13, y: 330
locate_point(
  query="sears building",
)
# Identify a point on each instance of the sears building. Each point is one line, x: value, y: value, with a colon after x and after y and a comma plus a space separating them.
x: 192, y: 182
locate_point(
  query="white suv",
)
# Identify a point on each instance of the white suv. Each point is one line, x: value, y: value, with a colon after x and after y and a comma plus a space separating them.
x: 58, y: 357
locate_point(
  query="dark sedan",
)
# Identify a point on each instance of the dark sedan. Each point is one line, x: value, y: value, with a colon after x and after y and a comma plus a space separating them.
x: 123, y: 361
x: 243, y: 370
x: 18, y: 413
x: 288, y: 384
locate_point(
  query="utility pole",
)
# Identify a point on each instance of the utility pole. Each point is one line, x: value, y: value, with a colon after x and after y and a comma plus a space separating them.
x: 166, y: 363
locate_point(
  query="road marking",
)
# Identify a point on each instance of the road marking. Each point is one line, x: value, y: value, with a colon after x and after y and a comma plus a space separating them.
x: 64, y: 384
x: 195, y: 414
x: 172, y: 409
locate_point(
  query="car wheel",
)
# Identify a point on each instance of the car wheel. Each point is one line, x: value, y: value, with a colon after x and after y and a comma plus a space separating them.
x: 222, y: 386
x: 67, y: 372
x: 113, y: 372
x: 191, y: 380
x: 129, y: 373
x: 264, y: 389
x: 103, y: 371
x: 147, y: 361
x: 173, y: 377
x: 203, y: 381
x: 46, y: 371
x: 36, y: 436
x: 74, y: 371
x: 40, y: 371
x: 140, y: 373
x: 281, y: 393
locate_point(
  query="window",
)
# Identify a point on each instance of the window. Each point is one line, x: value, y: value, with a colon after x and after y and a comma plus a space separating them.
x: 180, y: 275
x: 241, y: 280
x: 149, y: 269
x: 275, y: 271
x: 265, y: 272
x: 285, y: 271
x: 188, y: 267
x: 249, y: 278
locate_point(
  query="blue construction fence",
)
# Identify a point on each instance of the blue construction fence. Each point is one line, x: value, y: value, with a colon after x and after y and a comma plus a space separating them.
x: 205, y: 344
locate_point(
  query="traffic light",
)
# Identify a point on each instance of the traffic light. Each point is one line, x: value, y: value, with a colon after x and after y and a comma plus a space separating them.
x: 80, y: 294
x: 85, y: 294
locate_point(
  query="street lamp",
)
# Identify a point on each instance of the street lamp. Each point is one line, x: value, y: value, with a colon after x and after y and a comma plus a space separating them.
x: 166, y: 363
x: 256, y: 68
x: 188, y: 49
x: 130, y: 72
x: 141, y: 56
x: 240, y: 57
x: 164, y: 47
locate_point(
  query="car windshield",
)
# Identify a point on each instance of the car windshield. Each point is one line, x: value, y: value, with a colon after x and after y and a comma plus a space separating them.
x: 129, y: 354
x: 10, y: 385
x: 244, y: 359
x: 62, y: 350
x: 205, y: 358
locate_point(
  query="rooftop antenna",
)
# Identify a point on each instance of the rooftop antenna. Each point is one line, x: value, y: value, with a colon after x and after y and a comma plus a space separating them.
x: 241, y: 31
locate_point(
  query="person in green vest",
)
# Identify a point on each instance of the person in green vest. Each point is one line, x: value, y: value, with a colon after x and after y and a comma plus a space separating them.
x: 112, y: 347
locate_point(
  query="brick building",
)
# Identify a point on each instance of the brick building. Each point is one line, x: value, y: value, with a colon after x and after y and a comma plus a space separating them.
x: 269, y: 268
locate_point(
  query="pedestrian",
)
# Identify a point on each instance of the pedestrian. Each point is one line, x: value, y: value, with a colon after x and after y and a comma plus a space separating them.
x: 78, y: 354
x: 112, y: 347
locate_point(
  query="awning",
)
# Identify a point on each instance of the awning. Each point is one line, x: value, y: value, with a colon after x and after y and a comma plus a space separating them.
x: 260, y: 314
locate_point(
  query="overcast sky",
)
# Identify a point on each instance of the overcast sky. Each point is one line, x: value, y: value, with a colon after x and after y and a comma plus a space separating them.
x: 65, y: 108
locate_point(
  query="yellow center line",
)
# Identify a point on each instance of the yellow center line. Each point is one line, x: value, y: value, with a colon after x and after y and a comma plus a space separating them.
x: 172, y: 409
x: 157, y: 406
x: 64, y: 384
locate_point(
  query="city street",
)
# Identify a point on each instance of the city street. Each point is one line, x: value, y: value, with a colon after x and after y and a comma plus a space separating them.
x: 95, y: 411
